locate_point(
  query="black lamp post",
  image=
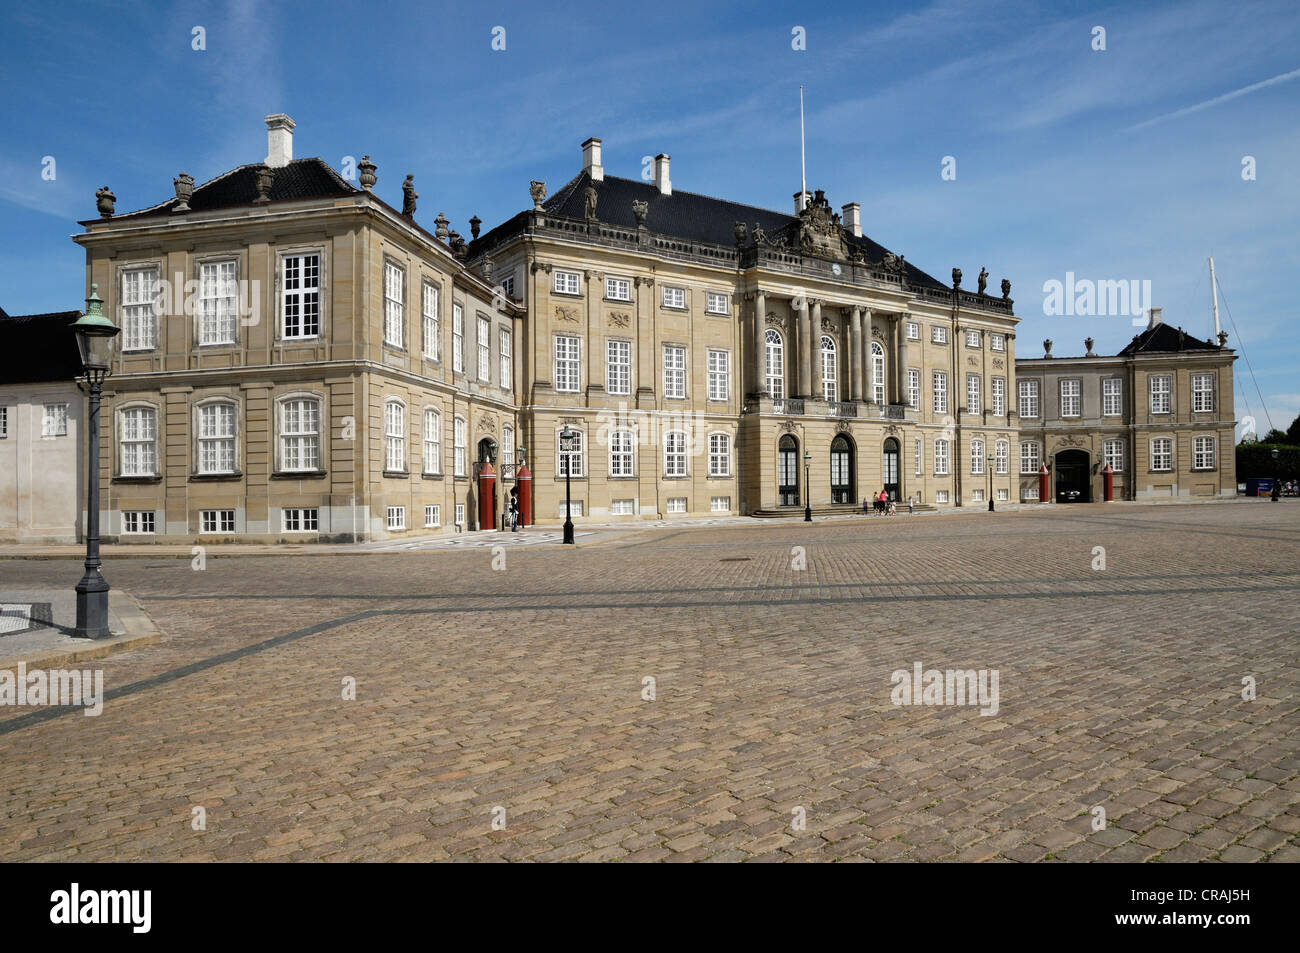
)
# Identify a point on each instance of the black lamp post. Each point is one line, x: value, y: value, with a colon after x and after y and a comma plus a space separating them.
x: 1277, y: 483
x: 990, y: 469
x: 566, y: 449
x: 97, y: 342
x: 807, y: 487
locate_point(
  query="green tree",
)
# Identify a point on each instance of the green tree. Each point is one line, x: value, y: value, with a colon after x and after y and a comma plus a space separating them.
x: 1293, y: 432
x: 1275, y: 436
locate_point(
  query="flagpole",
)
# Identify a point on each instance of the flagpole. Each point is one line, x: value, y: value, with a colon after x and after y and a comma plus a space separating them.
x: 803, y: 169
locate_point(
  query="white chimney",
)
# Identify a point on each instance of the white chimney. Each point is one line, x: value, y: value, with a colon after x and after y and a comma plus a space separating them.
x: 1154, y: 317
x: 801, y: 200
x: 591, y: 160
x: 853, y: 219
x: 279, y: 140
x: 661, y: 174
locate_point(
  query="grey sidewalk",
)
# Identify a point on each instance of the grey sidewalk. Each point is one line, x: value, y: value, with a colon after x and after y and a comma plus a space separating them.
x: 36, y: 627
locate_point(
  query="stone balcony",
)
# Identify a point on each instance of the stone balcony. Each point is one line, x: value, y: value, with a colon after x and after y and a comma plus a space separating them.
x: 807, y: 407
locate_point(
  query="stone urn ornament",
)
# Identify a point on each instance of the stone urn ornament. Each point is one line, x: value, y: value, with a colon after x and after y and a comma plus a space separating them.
x: 440, y: 226
x: 956, y: 278
x: 184, y: 184
x: 537, y: 190
x: 1087, y: 342
x: 475, y: 224
x: 105, y: 201
x: 367, y: 169
x: 1006, y: 288
x: 741, y: 233
x: 639, y: 210
x: 1047, y: 348
x: 265, y: 179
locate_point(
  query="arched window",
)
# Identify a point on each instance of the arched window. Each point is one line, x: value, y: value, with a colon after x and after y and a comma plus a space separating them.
x: 138, y: 441
x: 459, y: 445
x: 675, y: 453
x: 1002, y: 457
x: 216, y: 437
x: 432, y: 440
x: 841, y: 470
x: 719, y: 455
x: 774, y: 367
x: 622, y: 462
x: 877, y: 372
x: 299, y: 421
x: 830, y: 386
x: 977, y: 457
x: 787, y: 471
x: 507, y: 447
x: 394, y: 435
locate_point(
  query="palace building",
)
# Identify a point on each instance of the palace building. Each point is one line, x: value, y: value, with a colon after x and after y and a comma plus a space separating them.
x: 301, y: 361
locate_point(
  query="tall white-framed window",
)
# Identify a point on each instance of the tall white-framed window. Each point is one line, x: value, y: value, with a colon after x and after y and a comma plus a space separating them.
x: 913, y: 331
x: 675, y: 453
x: 1162, y: 453
x: 719, y: 455
x: 913, y: 387
x: 432, y: 323
x: 1028, y: 398
x: 458, y: 338
x: 1202, y: 453
x: 394, y: 304
x: 483, y: 340
x: 972, y: 338
x: 940, y: 457
x: 432, y: 440
x: 717, y: 303
x: 1071, y: 389
x: 719, y: 374
x: 938, y: 334
x: 974, y: 399
x: 830, y: 369
x: 1002, y: 457
x: 939, y: 389
x: 569, y: 462
x: 506, y: 359
x: 432, y: 515
x: 918, y: 452
x: 507, y: 446
x: 674, y: 371
x: 139, y: 309
x: 300, y: 421
x: 1113, y: 454
x: 4, y: 421
x: 138, y: 441
x: 1112, y: 396
x: 977, y: 457
x: 54, y: 420
x: 675, y: 298
x: 997, y: 342
x: 999, y: 385
x: 217, y: 302
x: 622, y: 461
x: 300, y: 296
x: 459, y: 450
x: 567, y: 354
x: 217, y: 437
x: 877, y: 372
x: 1202, y: 393
x: 774, y: 363
x: 508, y: 286
x: 567, y: 283
x: 618, y: 289
x: 1160, y: 387
x: 460, y: 514
x: 394, y: 436
x: 396, y: 517
x: 1030, y: 456
x: 618, y: 367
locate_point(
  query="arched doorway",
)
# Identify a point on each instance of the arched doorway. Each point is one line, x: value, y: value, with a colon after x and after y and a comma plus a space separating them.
x: 841, y: 470
x: 787, y: 471
x: 1072, y: 483
x: 486, y: 484
x: 889, y: 468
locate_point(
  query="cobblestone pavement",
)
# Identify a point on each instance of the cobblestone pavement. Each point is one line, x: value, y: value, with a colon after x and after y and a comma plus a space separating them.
x: 477, y: 689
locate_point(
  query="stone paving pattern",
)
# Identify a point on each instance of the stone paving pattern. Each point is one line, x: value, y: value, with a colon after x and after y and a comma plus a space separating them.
x: 479, y: 688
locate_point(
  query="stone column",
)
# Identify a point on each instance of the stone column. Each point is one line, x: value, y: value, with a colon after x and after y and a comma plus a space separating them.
x: 868, y: 368
x: 644, y: 373
x: 815, y: 347
x: 900, y: 373
x: 902, y: 358
x: 760, y: 345
x: 805, y: 349
x: 855, y: 353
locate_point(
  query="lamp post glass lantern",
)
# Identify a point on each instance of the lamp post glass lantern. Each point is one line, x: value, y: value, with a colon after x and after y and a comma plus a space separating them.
x: 566, y: 449
x: 1277, y: 481
x: 97, y: 343
x: 807, y: 487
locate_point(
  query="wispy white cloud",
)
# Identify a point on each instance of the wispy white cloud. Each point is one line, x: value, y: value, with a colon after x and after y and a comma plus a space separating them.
x: 1188, y: 110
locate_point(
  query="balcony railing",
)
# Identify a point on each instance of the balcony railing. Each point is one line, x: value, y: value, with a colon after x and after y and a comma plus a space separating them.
x: 787, y: 406
x: 841, y: 408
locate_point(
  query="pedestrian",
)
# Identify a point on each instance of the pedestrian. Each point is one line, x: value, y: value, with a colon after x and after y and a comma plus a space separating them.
x: 514, y: 512
x: 910, y: 502
x: 893, y: 507
x: 864, y: 506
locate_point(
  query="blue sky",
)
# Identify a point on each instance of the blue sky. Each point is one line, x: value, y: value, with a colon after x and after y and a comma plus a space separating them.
x: 1122, y: 164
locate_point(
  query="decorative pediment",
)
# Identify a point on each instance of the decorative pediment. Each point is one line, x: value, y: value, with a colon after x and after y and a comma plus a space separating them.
x: 843, y: 426
x: 829, y: 325
x: 775, y: 320
x: 788, y: 426
x: 876, y: 333
x: 819, y: 232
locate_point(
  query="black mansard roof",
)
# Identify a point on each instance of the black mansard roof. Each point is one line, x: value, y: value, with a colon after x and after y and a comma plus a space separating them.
x: 684, y: 215
x: 1162, y: 338
x: 312, y: 178
x: 38, y: 347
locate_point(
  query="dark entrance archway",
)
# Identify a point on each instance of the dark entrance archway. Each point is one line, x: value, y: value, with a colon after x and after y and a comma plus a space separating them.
x: 889, y: 468
x: 1072, y: 483
x: 841, y: 470
x: 486, y: 485
x: 787, y: 471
